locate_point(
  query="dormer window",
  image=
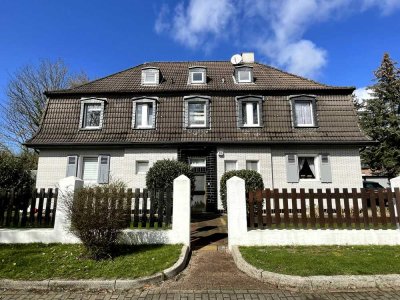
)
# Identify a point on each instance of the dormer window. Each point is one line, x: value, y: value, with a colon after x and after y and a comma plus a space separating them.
x: 197, y: 111
x: 244, y: 74
x: 304, y: 111
x: 197, y: 75
x: 144, y: 113
x: 249, y: 111
x: 150, y: 76
x: 91, y: 116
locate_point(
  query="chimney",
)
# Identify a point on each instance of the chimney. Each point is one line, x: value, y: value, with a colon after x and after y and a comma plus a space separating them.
x: 248, y: 57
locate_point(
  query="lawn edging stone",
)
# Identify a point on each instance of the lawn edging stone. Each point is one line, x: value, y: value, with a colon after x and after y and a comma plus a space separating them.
x: 93, y: 284
x: 316, y: 283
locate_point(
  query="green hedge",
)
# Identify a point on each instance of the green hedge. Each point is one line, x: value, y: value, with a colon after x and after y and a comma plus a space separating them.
x: 253, y: 181
x: 162, y: 174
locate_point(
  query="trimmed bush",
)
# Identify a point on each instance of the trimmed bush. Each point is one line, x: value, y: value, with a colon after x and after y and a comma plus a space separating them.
x: 162, y: 174
x: 253, y: 181
x: 98, y: 215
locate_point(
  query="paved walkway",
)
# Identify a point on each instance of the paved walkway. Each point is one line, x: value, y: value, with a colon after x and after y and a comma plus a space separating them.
x: 210, y: 275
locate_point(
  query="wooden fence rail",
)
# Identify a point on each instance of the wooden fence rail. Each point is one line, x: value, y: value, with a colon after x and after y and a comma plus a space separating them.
x: 144, y: 208
x: 334, y: 209
x: 26, y: 209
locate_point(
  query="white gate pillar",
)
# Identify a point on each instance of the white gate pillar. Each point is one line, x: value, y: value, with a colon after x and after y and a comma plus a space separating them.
x: 181, y: 210
x: 236, y: 208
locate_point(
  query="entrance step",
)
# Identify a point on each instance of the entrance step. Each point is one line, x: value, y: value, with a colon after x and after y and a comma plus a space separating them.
x: 209, y: 232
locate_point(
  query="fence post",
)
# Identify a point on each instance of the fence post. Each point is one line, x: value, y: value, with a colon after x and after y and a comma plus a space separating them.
x: 181, y: 210
x: 236, y: 208
x: 67, y: 186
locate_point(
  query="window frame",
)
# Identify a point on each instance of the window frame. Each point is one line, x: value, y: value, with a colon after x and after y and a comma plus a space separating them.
x: 82, y: 119
x: 240, y: 100
x: 194, y: 70
x: 193, y: 100
x: 244, y: 68
x: 230, y: 161
x: 313, y: 106
x: 144, y: 100
x: 316, y: 166
x: 202, y: 158
x: 81, y: 168
x: 137, y: 166
x: 252, y: 161
x: 148, y: 70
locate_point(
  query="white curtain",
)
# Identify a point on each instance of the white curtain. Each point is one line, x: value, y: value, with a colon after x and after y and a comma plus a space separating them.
x: 303, y: 112
x: 301, y: 162
x: 310, y: 161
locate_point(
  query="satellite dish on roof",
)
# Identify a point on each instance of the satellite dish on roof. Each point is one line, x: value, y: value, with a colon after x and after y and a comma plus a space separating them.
x: 236, y: 59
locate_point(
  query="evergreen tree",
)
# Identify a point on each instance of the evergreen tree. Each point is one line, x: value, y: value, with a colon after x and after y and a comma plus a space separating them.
x: 380, y: 120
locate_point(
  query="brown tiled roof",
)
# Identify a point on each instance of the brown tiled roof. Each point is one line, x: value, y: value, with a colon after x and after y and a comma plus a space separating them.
x: 174, y: 77
x: 337, y: 123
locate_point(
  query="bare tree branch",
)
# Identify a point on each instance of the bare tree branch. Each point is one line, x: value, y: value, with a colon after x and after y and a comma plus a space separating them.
x: 22, y: 112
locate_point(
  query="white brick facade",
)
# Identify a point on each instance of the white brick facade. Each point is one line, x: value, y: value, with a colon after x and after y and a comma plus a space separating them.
x: 345, y: 164
x: 53, y: 164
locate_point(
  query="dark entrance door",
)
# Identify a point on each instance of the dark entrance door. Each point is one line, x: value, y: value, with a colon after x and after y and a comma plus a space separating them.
x: 202, y: 160
x: 199, y: 196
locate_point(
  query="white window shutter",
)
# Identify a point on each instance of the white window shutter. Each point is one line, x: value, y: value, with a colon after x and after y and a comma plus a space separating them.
x: 104, y: 169
x: 72, y: 165
x: 292, y: 171
x: 326, y: 173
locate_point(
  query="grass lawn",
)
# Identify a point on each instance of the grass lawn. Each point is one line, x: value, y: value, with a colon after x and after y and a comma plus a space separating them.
x: 58, y: 261
x: 325, y: 260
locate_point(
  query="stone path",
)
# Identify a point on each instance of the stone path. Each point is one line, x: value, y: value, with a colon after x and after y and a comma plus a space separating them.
x: 210, y: 275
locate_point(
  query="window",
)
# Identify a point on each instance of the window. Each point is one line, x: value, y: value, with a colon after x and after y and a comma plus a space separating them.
x: 150, y: 76
x: 197, y: 114
x: 142, y: 167
x: 252, y: 165
x: 230, y: 165
x: 197, y: 162
x: 249, y: 111
x: 244, y: 74
x: 307, y: 167
x: 304, y: 111
x: 197, y: 75
x: 197, y: 111
x: 91, y: 113
x: 250, y: 114
x: 90, y: 169
x: 144, y: 115
x: 144, y: 112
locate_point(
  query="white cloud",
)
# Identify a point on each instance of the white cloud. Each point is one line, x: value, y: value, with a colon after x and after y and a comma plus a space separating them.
x: 363, y: 93
x: 193, y: 25
x: 386, y: 6
x: 275, y: 29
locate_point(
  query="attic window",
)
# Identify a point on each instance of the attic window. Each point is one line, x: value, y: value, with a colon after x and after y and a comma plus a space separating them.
x: 92, y: 111
x: 150, y: 76
x: 144, y: 112
x: 304, y: 111
x: 244, y: 74
x: 197, y: 75
x: 249, y: 111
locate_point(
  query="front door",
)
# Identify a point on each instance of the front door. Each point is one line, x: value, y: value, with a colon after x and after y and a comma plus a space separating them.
x: 199, y: 199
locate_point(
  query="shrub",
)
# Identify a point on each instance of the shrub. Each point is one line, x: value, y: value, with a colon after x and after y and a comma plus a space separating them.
x: 253, y: 181
x: 162, y: 174
x: 98, y: 215
x: 15, y: 170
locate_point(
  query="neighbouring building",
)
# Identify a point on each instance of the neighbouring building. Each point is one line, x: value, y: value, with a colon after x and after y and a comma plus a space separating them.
x: 215, y: 115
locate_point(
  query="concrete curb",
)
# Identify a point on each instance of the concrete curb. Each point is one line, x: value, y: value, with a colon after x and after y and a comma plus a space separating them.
x: 119, y: 284
x: 316, y: 283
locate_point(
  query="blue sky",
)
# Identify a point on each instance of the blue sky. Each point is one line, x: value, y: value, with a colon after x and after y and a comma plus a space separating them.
x: 338, y: 42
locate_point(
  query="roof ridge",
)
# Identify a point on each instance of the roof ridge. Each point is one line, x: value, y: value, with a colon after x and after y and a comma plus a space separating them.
x: 98, y: 79
x: 298, y: 76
